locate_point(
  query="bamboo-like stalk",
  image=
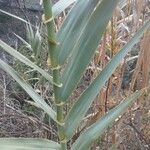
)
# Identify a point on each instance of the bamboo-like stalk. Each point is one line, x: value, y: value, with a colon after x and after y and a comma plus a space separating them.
x: 52, y: 43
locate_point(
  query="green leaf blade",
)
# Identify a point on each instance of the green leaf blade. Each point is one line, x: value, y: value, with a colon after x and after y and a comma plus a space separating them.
x: 86, y: 45
x: 28, y: 144
x: 98, y: 128
x: 73, y: 26
x: 57, y: 8
x: 83, y: 103
x: 60, y: 6
x: 26, y: 61
x: 14, y: 16
x: 38, y: 99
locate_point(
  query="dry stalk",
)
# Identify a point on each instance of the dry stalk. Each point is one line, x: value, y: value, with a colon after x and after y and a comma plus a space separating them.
x: 143, y: 63
x: 146, y: 59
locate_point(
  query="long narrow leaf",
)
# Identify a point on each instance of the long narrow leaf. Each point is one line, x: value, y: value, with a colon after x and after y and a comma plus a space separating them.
x: 58, y: 8
x: 80, y: 108
x: 98, y: 128
x: 73, y: 26
x: 38, y: 99
x: 28, y: 144
x: 14, y: 16
x: 23, y: 41
x: 61, y: 5
x: 25, y: 60
x: 86, y: 45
